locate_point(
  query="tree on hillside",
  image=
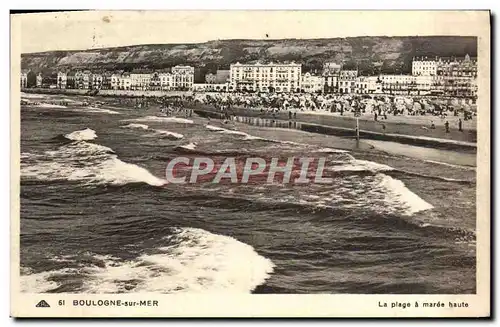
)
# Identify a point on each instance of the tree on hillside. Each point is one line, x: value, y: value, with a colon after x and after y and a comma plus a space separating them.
x: 31, y: 82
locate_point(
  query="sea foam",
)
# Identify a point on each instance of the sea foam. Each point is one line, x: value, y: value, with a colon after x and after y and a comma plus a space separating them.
x: 90, y: 163
x: 84, y: 134
x: 196, y: 261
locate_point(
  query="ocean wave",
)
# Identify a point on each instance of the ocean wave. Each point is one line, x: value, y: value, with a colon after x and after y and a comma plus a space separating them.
x: 39, y: 282
x: 90, y: 163
x: 190, y: 146
x: 49, y: 105
x: 140, y: 126
x: 161, y: 133
x: 97, y: 110
x: 195, y: 261
x: 33, y: 95
x: 361, y: 165
x: 398, y: 195
x: 161, y: 119
x: 82, y: 135
x: 329, y: 150
x: 234, y: 132
x: 355, y: 193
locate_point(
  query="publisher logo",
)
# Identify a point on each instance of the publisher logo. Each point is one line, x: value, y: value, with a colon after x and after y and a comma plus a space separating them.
x: 42, y: 304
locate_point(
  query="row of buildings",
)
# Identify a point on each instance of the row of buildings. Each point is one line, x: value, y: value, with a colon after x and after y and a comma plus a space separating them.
x: 430, y: 75
x: 176, y: 78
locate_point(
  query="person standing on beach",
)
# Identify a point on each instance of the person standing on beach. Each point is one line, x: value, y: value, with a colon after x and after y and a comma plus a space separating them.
x: 460, y: 125
x: 447, y: 126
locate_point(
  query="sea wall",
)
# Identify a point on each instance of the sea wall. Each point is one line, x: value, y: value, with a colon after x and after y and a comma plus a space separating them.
x: 337, y: 126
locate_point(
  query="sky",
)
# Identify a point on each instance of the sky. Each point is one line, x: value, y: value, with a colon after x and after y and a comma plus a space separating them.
x: 101, y: 29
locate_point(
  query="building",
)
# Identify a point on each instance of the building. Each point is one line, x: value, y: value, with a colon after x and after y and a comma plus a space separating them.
x: 222, y: 76
x: 120, y: 81
x: 24, y: 79
x: 140, y: 79
x: 458, y: 76
x: 39, y: 80
x: 450, y: 76
x: 459, y: 67
x: 106, y: 80
x: 265, y: 77
x: 399, y: 84
x: 206, y: 87
x: 445, y: 66
x: 457, y: 86
x: 331, y: 73
x: 155, y: 81
x: 62, y: 79
x: 368, y: 85
x: 166, y: 81
x: 96, y: 81
x: 424, y: 66
x: 182, y: 77
x: 114, y: 81
x: 424, y: 85
x: 210, y: 78
x: 125, y: 82
x: 70, y: 80
x: 347, y: 81
x: 50, y: 81
x: 312, y: 84
x: 82, y: 79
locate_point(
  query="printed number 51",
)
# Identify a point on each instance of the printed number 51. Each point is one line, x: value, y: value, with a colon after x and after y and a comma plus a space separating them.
x: 61, y: 302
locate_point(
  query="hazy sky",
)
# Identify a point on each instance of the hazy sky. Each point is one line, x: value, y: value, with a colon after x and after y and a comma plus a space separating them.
x: 87, y: 30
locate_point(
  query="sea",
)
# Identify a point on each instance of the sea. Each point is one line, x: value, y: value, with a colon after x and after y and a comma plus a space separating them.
x: 97, y: 215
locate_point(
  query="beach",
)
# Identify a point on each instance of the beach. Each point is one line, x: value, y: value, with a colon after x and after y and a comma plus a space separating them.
x: 418, y: 126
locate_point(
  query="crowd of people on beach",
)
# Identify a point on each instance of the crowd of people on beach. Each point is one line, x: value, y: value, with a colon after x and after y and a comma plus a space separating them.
x: 380, y: 107
x: 377, y: 105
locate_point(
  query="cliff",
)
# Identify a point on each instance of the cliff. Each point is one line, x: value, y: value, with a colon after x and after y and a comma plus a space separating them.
x: 370, y: 54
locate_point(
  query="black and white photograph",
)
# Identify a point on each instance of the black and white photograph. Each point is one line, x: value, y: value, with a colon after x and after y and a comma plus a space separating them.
x: 235, y: 153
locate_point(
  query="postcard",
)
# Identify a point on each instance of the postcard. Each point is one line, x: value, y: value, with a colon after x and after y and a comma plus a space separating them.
x: 250, y: 164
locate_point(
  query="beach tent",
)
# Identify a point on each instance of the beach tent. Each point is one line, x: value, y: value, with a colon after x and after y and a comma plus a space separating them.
x: 417, y: 107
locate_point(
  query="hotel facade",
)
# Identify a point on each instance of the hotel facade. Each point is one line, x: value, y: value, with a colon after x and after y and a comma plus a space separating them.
x: 269, y: 77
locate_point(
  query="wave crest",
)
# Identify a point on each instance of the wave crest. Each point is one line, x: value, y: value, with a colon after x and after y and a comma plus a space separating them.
x: 90, y: 163
x: 83, y: 135
x: 195, y: 261
x: 161, y: 119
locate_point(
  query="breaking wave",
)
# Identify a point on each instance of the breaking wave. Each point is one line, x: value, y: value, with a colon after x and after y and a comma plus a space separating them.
x: 86, y: 162
x: 398, y: 195
x: 98, y: 110
x: 140, y: 126
x: 83, y: 135
x: 161, y: 119
x: 234, y: 132
x: 194, y: 261
x: 361, y: 165
x: 329, y: 150
x: 167, y: 134
x: 49, y: 105
x: 190, y: 146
